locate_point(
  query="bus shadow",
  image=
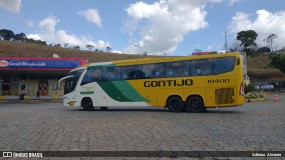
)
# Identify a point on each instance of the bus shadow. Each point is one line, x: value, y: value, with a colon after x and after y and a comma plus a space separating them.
x: 209, y: 111
x: 123, y: 110
x: 223, y: 112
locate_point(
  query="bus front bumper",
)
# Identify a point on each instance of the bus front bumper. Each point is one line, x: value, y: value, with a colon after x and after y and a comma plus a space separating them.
x: 70, y: 103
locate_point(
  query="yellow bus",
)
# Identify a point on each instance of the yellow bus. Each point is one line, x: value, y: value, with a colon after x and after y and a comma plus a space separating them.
x: 191, y: 83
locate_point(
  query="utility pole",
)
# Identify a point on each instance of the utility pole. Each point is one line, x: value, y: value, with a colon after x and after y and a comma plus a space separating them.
x: 226, y: 42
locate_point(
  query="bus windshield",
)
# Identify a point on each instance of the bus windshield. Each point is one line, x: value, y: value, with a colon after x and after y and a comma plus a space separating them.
x: 71, y: 82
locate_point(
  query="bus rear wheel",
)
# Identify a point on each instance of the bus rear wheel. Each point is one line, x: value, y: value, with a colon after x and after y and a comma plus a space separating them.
x: 87, y: 104
x: 195, y: 104
x: 175, y: 104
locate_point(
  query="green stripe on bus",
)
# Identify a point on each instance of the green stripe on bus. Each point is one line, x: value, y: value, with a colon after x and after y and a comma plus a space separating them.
x: 129, y: 91
x: 113, y: 91
x: 121, y: 91
x: 87, y: 92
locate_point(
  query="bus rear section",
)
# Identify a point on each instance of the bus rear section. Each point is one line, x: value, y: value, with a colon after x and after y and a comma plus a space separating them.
x: 204, y: 82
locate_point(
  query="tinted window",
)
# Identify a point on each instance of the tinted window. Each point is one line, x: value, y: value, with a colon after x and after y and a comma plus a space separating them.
x: 91, y: 75
x: 71, y: 82
x: 177, y: 69
x: 201, y: 67
x: 153, y: 70
x: 224, y: 64
x: 111, y: 73
x: 132, y: 72
x: 76, y: 73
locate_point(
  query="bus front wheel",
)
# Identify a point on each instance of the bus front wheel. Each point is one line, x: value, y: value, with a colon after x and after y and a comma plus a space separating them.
x: 175, y: 104
x: 195, y: 104
x: 87, y: 104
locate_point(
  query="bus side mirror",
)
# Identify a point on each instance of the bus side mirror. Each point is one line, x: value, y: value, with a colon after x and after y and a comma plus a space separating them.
x: 58, y: 86
x: 59, y: 81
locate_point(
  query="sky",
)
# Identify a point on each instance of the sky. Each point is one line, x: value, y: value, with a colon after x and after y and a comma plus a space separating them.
x: 155, y: 27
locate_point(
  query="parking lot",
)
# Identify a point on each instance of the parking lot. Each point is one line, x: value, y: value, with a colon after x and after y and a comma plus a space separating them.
x: 42, y: 126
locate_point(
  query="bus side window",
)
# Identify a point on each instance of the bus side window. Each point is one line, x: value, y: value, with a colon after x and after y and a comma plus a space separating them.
x: 207, y: 67
x: 131, y: 72
x: 91, y: 75
x: 111, y: 73
x: 159, y: 70
x: 195, y: 68
x: 97, y: 74
x: 201, y: 67
x: 224, y: 64
x: 173, y: 69
x: 153, y: 70
x: 148, y: 70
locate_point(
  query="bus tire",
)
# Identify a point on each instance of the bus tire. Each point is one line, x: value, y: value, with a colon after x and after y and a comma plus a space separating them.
x: 87, y: 104
x: 175, y: 104
x: 195, y: 104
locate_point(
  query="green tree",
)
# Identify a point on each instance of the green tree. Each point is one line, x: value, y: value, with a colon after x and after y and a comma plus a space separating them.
x: 20, y: 37
x: 89, y: 47
x: 66, y: 45
x: 247, y: 39
x: 57, y: 45
x: 278, y: 61
x: 6, y: 34
x: 248, y: 88
x: 197, y: 50
x: 263, y: 49
x: 77, y: 48
x: 108, y: 49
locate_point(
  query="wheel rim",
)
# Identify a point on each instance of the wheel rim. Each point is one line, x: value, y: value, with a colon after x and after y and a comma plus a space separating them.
x: 175, y: 104
x: 87, y: 104
x: 195, y: 104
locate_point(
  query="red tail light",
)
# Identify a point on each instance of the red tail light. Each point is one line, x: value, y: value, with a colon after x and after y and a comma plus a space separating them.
x: 241, y: 90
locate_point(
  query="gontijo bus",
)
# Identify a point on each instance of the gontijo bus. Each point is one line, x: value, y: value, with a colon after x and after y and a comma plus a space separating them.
x: 191, y: 83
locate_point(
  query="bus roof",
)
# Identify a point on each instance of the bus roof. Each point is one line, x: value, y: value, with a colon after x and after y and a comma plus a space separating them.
x: 170, y: 59
x: 156, y: 60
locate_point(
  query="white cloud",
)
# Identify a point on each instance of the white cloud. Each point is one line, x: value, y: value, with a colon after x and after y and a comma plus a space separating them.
x: 232, y: 2
x: 34, y: 36
x: 117, y: 51
x: 11, y: 5
x: 162, y: 25
x: 91, y: 15
x: 30, y: 24
x: 49, y: 33
x: 264, y: 24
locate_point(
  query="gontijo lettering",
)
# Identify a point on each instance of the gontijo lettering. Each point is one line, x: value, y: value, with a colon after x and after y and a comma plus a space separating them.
x: 168, y: 83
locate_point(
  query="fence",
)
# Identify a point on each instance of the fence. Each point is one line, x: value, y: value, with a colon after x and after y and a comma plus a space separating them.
x: 269, y: 85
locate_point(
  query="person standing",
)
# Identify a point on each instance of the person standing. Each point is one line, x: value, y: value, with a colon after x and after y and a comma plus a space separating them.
x: 38, y: 95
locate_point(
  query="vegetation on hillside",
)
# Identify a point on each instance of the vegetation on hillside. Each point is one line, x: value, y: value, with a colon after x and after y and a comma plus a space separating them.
x: 278, y: 61
x: 260, y: 66
x: 21, y: 49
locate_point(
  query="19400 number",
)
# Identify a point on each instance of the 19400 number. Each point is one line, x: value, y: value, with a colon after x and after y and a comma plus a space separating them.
x: 218, y: 80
